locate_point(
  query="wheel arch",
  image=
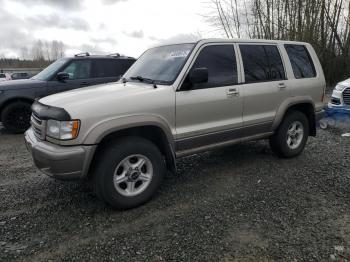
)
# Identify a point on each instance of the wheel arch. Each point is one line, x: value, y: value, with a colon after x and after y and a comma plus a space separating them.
x: 151, y: 132
x: 304, y: 105
x: 15, y: 99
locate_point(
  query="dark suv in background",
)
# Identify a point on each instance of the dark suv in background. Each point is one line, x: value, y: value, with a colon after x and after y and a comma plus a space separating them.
x: 16, y: 97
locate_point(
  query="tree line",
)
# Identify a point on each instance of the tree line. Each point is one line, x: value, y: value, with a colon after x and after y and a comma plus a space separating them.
x: 43, y: 50
x: 323, y: 23
x: 39, y: 55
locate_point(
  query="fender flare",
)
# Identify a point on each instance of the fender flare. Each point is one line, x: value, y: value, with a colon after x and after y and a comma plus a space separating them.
x: 109, y: 126
x: 287, y: 104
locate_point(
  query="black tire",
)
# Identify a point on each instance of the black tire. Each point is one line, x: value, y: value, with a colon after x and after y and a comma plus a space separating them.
x: 278, y: 141
x: 112, y: 156
x: 16, y: 117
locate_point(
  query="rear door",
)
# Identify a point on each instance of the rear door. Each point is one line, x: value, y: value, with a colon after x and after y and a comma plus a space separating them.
x: 265, y: 86
x: 79, y: 71
x: 211, y: 112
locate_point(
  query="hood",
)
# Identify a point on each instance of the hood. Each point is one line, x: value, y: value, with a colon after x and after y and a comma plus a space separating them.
x: 20, y: 84
x: 106, y: 99
x: 345, y: 83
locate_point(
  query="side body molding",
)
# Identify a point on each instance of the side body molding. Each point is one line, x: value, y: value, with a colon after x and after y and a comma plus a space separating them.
x: 287, y: 103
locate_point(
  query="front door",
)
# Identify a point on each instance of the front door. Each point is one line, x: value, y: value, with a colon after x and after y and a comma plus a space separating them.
x: 211, y: 112
x: 79, y: 76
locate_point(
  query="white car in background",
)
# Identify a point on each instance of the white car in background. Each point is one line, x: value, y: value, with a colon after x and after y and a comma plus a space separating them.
x: 3, y: 77
x: 341, y: 95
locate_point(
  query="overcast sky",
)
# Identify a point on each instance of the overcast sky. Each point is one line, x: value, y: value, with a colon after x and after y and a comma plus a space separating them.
x: 100, y: 26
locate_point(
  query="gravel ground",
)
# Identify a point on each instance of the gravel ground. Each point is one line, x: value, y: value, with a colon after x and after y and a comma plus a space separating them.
x: 236, y: 204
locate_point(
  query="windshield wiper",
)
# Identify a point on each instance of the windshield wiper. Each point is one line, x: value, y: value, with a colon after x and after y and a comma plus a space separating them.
x: 144, y: 79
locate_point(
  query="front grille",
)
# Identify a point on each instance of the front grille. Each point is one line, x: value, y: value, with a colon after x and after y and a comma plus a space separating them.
x: 38, y: 126
x: 346, y: 96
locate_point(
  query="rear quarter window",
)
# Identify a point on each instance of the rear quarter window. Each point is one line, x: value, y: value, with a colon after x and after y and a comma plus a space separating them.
x: 302, y: 64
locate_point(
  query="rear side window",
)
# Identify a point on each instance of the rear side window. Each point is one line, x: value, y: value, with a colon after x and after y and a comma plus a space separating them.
x: 126, y: 63
x: 301, y: 61
x: 221, y: 63
x: 107, y: 68
x: 262, y: 63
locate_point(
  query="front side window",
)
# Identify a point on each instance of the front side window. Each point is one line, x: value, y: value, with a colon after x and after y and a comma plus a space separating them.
x: 78, y: 69
x: 51, y: 70
x: 300, y: 59
x: 162, y: 64
x: 220, y: 60
x: 262, y: 63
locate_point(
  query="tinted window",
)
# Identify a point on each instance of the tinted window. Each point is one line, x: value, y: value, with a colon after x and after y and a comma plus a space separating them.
x: 51, y: 70
x: 220, y: 60
x: 126, y: 63
x: 107, y: 68
x: 262, y: 63
x: 2, y: 75
x: 300, y: 59
x: 78, y: 69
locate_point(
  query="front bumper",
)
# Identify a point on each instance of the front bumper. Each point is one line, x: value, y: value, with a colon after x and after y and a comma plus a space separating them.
x: 338, y: 97
x: 61, y: 162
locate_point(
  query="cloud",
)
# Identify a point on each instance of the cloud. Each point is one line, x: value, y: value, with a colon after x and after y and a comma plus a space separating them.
x: 111, y: 2
x: 181, y: 38
x: 108, y: 40
x: 55, y: 20
x: 13, y: 37
x: 92, y: 49
x: 63, y: 4
x: 135, y: 34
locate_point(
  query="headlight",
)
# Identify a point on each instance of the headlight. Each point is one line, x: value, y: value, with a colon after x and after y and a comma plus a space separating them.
x: 63, y: 130
x: 340, y: 87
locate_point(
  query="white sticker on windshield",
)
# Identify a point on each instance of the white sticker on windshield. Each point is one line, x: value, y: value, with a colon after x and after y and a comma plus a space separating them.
x: 179, y: 53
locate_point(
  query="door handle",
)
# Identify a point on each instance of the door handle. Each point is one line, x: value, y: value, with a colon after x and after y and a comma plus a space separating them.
x: 282, y: 86
x: 84, y: 83
x: 232, y: 92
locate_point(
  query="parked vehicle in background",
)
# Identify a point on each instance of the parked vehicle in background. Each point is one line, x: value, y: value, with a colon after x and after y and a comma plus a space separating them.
x: 16, y: 97
x: 341, y: 95
x: 20, y: 75
x: 175, y: 101
x: 3, y: 77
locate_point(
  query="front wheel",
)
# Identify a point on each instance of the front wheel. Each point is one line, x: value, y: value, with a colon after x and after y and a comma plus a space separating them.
x: 291, y: 136
x: 16, y: 117
x: 129, y: 172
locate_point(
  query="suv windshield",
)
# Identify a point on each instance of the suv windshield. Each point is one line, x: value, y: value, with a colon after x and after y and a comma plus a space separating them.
x: 160, y: 64
x: 49, y: 71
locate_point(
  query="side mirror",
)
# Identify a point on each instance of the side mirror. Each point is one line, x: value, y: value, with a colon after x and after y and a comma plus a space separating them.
x: 198, y: 76
x: 62, y: 76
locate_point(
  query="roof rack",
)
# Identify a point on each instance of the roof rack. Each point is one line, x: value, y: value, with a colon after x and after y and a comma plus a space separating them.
x: 82, y: 54
x: 115, y: 55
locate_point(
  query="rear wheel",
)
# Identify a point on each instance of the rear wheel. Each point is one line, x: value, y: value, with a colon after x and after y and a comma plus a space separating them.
x: 291, y: 136
x: 129, y: 172
x: 16, y: 117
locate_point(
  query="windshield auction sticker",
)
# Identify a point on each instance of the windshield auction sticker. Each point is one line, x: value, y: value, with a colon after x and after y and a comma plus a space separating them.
x: 179, y: 53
